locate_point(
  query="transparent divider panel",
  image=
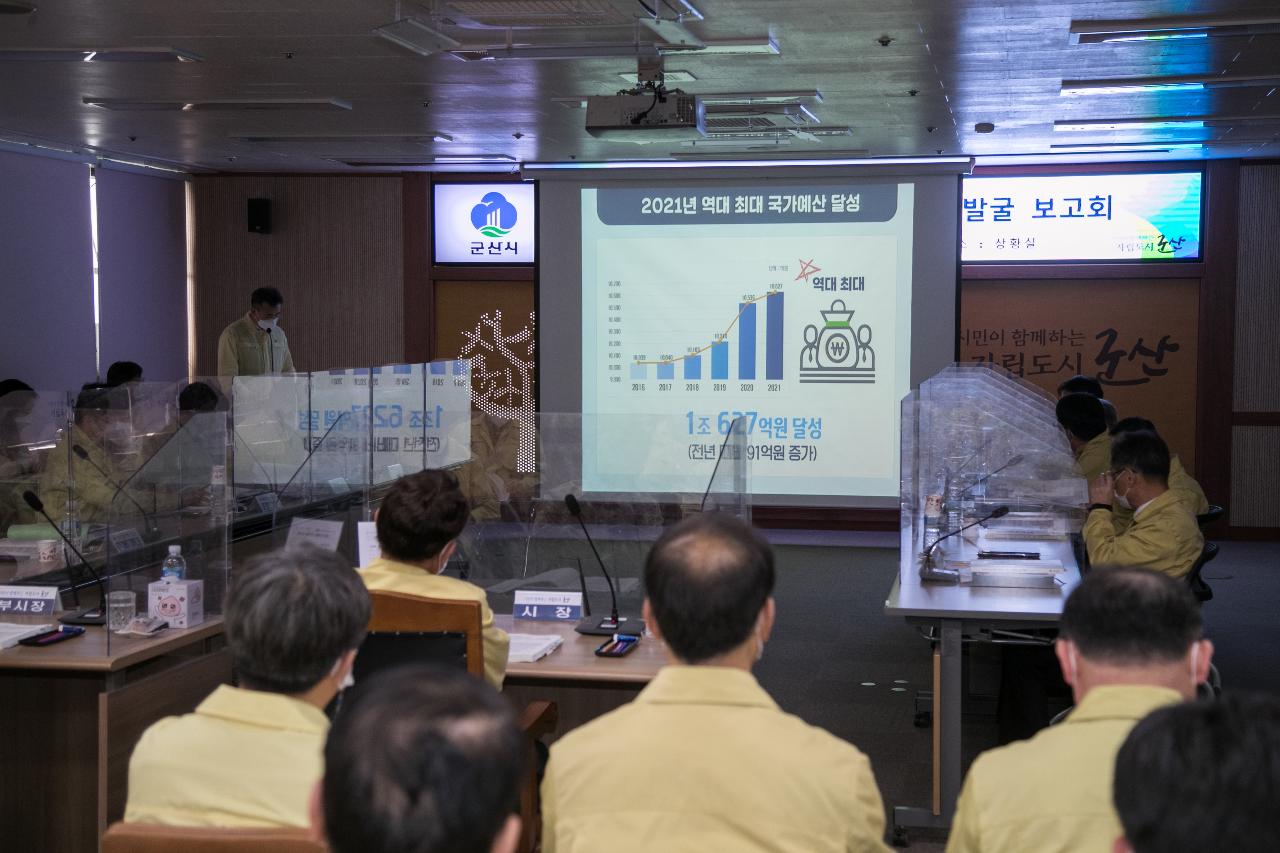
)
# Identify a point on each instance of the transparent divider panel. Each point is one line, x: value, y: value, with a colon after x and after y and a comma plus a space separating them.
x: 272, y: 424
x: 35, y: 457
x: 524, y: 535
x: 175, y: 494
x: 979, y: 438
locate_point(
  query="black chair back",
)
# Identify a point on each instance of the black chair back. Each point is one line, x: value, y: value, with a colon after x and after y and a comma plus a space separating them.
x: 1199, y: 588
x: 394, y: 648
x: 1214, y: 513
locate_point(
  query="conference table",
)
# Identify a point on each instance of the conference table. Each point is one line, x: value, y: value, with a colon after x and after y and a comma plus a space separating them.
x: 954, y: 614
x: 70, y: 716
x: 582, y: 685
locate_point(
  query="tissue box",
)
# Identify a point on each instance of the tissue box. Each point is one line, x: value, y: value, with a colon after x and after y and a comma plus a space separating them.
x: 180, y: 603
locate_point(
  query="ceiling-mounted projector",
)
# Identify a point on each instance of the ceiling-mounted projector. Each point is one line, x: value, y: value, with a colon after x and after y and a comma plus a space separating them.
x: 640, y: 117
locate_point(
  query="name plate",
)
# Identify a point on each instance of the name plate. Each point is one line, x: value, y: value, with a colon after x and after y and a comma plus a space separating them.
x: 547, y: 605
x: 35, y: 600
x: 338, y: 485
x: 267, y: 502
x: 314, y: 531
x: 126, y: 539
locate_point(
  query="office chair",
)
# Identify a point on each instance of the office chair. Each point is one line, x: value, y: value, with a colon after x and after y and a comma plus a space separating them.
x: 123, y: 837
x: 408, y: 628
x: 1199, y: 588
x: 1214, y: 513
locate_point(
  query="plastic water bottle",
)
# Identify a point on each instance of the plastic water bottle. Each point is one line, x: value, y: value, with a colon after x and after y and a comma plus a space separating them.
x: 174, y: 568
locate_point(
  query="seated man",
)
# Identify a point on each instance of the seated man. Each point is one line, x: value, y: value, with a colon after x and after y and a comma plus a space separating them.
x: 1086, y: 427
x: 249, y: 756
x: 703, y: 759
x: 422, y: 760
x: 1164, y: 535
x: 418, y: 527
x: 1088, y: 385
x: 101, y: 429
x: 1130, y: 642
x: 1202, y: 778
x: 1181, y: 483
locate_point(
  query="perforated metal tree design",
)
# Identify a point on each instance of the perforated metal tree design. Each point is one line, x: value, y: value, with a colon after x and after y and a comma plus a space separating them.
x: 502, y: 368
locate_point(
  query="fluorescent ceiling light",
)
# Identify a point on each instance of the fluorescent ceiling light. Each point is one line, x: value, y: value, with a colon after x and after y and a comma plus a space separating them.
x: 737, y: 47
x: 1183, y: 83
x: 1163, y: 29
x: 275, y: 104
x: 673, y: 33
x: 1167, y: 143
x: 1161, y: 122
x: 792, y: 97
x: 100, y: 54
x: 414, y: 35
x: 472, y: 53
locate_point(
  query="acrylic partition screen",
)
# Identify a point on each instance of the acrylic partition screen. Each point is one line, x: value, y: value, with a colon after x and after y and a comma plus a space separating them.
x: 976, y: 438
x: 524, y: 536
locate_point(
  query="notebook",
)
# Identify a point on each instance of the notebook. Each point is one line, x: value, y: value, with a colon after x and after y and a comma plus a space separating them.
x: 527, y: 648
x: 12, y: 632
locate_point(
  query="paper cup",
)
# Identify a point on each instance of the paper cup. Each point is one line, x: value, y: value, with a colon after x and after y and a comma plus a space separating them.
x: 47, y: 550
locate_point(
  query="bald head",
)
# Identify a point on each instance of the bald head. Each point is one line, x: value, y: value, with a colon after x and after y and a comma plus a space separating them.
x: 707, y: 580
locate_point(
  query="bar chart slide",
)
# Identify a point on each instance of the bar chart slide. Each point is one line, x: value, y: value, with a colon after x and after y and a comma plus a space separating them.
x: 740, y: 335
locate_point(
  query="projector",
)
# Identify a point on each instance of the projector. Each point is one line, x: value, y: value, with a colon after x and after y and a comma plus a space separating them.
x: 628, y: 118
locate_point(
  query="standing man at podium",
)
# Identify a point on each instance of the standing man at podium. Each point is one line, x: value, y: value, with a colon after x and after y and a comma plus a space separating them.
x: 255, y: 345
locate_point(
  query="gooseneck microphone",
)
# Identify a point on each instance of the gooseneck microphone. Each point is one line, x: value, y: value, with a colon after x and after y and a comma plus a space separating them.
x: 1013, y: 460
x: 928, y: 571
x: 153, y: 530
x: 94, y: 615
x: 613, y: 624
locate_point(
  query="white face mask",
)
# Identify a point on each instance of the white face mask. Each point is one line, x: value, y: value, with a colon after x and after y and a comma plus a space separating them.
x: 267, y: 325
x: 348, y: 680
x: 759, y: 646
x: 1122, y: 500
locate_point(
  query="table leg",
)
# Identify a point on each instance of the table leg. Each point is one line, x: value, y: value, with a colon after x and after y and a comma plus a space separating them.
x: 946, y: 739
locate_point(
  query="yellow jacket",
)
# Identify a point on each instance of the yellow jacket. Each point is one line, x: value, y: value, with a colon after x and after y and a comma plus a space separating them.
x: 1052, y: 794
x: 243, y: 758
x: 704, y: 760
x: 392, y: 576
x: 1164, y: 536
x: 1094, y: 458
x: 94, y: 495
x: 1181, y: 484
x: 246, y: 350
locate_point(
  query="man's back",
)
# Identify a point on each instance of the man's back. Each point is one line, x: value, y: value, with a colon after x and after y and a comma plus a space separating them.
x: 244, y: 758
x: 704, y: 760
x: 1164, y: 537
x: 1053, y: 792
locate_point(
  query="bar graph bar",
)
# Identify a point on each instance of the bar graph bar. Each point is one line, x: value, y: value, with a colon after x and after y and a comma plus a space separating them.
x: 747, y: 341
x: 773, y: 337
x: 667, y: 370
x: 693, y: 367
x: 438, y: 368
x: 460, y: 367
x: 639, y: 371
x: 720, y: 360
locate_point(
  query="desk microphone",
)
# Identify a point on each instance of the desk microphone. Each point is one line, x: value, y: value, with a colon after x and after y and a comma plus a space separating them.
x: 1013, y: 460
x: 928, y: 571
x: 614, y: 624
x: 152, y: 530
x: 92, y: 616
x: 312, y: 452
x: 724, y: 445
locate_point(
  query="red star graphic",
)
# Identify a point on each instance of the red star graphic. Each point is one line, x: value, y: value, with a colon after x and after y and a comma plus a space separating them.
x: 807, y: 268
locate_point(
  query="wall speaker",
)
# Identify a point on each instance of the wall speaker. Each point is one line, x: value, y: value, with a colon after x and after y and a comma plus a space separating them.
x: 260, y: 215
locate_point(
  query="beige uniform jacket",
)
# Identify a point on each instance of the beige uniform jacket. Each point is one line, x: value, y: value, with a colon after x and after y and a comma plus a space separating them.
x: 95, y: 496
x: 1094, y: 458
x: 246, y: 350
x: 704, y: 760
x: 1052, y: 793
x: 1181, y: 484
x: 392, y: 576
x: 1164, y: 536
x: 243, y: 758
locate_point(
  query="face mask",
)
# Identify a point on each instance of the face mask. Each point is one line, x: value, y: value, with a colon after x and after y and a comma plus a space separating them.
x: 120, y: 439
x: 267, y: 325
x: 1122, y: 500
x: 1195, y: 660
x: 348, y: 680
x: 759, y: 646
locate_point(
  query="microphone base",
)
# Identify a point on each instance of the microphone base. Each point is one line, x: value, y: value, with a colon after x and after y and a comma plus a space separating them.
x: 92, y: 616
x: 604, y: 626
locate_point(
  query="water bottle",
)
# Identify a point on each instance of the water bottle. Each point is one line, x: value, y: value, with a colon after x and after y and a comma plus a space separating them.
x: 174, y: 568
x: 218, y: 496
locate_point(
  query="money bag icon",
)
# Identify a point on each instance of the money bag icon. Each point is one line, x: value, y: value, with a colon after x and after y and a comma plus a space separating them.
x: 834, y: 344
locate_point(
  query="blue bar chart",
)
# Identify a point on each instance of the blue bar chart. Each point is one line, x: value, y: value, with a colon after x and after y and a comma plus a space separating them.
x: 743, y: 327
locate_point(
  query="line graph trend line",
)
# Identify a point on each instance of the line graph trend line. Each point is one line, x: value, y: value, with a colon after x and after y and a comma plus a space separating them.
x: 724, y: 335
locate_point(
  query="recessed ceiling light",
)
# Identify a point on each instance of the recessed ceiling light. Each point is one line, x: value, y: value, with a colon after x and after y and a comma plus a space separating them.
x: 1182, y: 83
x: 667, y: 77
x: 282, y: 104
x: 1164, y: 29
x: 1162, y: 122
x: 99, y: 54
x: 414, y: 35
